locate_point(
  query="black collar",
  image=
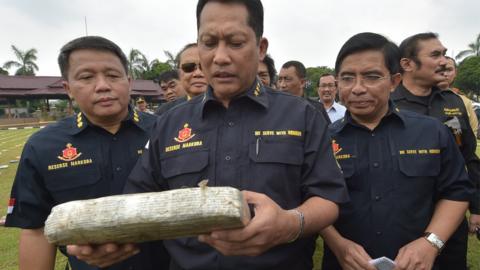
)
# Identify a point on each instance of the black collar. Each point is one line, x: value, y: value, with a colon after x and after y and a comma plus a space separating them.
x: 80, y: 122
x: 256, y: 93
x: 393, y: 112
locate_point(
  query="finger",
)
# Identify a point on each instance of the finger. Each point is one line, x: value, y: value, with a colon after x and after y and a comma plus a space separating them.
x: 254, y: 198
x: 359, y: 262
x: 400, y: 260
x: 76, y: 250
x: 363, y: 259
x: 118, y: 257
x: 229, y: 249
x: 109, y: 254
x: 224, y: 244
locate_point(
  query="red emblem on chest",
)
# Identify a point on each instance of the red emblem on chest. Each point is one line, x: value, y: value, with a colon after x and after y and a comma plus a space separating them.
x: 184, y: 135
x: 336, y: 147
x: 69, y: 153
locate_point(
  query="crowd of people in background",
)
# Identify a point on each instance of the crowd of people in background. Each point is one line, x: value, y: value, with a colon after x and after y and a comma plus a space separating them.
x: 381, y: 164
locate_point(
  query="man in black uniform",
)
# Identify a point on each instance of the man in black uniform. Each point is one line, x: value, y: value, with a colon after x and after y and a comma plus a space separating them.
x: 85, y: 156
x: 423, y: 65
x: 272, y: 145
x: 407, y: 181
x: 292, y: 79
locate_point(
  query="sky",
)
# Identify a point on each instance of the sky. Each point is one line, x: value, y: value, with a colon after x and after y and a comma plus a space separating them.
x: 310, y: 31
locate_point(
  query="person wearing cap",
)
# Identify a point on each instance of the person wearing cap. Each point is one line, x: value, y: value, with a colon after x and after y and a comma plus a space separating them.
x: 142, y: 106
x: 85, y: 156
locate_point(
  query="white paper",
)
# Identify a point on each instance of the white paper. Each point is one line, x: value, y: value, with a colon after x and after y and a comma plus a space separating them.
x: 383, y: 263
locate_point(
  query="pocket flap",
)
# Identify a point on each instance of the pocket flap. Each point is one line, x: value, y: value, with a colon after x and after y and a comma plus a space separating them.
x: 183, y: 163
x: 276, y: 152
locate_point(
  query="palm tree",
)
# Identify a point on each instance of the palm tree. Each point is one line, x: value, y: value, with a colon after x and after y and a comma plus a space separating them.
x: 138, y: 64
x: 26, y: 61
x: 3, y: 71
x: 473, y: 51
x: 170, y: 59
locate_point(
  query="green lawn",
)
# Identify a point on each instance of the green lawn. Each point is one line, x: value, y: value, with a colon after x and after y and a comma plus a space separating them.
x: 11, y: 144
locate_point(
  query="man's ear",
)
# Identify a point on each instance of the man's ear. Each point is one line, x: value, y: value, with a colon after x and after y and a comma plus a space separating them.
x: 66, y: 86
x: 262, y: 47
x: 303, y: 83
x: 396, y: 79
x: 407, y: 64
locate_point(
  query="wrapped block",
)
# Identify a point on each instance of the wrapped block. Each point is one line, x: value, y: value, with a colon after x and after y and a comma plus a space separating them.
x: 134, y: 218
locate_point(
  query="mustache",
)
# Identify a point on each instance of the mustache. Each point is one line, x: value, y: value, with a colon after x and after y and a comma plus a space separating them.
x: 441, y: 69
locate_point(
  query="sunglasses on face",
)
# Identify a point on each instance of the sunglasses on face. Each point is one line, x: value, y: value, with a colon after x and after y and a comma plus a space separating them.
x: 190, y: 67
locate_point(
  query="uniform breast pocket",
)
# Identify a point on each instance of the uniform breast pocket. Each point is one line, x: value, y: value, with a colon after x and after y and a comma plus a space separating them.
x: 74, y: 183
x: 185, y: 169
x: 348, y: 170
x: 283, y: 152
x: 275, y: 167
x: 419, y: 165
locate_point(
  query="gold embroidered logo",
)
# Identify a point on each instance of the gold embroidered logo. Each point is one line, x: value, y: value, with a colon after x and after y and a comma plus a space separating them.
x: 69, y: 153
x: 185, y: 134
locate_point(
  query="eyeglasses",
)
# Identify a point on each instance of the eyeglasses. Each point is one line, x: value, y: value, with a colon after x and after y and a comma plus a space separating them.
x: 348, y: 81
x: 190, y: 67
x: 327, y: 85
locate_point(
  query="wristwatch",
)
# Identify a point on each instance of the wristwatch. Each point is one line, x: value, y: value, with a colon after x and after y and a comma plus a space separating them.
x: 434, y: 240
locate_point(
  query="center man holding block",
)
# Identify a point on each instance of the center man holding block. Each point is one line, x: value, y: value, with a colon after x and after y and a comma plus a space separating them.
x: 272, y: 145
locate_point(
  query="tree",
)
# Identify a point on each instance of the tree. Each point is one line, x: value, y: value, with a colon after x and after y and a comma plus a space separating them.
x: 313, y: 75
x: 3, y: 71
x: 156, y: 68
x: 473, y: 51
x: 140, y: 68
x: 170, y: 59
x: 26, y: 61
x: 136, y: 63
x: 468, y: 76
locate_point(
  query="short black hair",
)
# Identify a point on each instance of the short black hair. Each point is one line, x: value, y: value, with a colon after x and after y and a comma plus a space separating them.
x: 370, y: 41
x: 179, y: 54
x: 409, y: 47
x: 300, y: 69
x: 167, y: 76
x: 89, y: 43
x: 325, y: 75
x: 254, y: 9
x: 272, y: 72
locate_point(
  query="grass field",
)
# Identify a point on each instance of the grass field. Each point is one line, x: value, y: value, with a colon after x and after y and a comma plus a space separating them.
x: 11, y: 144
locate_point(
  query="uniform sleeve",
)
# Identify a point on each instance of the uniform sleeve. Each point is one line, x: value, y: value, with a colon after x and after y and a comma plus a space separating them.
x: 321, y: 175
x: 146, y: 174
x: 453, y: 181
x: 33, y: 202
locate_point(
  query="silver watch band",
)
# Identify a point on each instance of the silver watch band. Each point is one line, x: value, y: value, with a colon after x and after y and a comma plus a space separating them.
x: 434, y: 240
